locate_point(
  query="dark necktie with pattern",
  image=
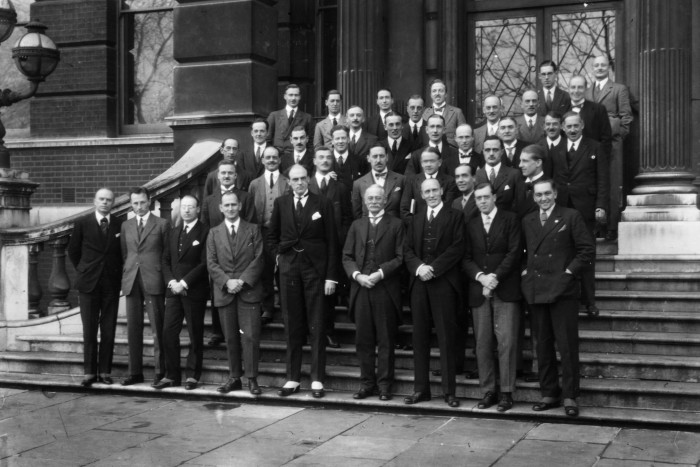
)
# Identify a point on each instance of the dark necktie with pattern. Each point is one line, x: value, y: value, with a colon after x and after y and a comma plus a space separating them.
x: 104, y: 226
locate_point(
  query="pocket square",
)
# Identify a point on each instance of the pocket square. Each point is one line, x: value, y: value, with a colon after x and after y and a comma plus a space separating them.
x: 316, y: 215
x: 506, y: 188
x: 195, y: 243
x: 398, y: 188
x: 116, y: 235
x: 563, y: 228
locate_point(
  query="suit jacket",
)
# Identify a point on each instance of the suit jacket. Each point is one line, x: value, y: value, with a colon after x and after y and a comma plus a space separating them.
x: 527, y: 202
x: 480, y: 135
x: 244, y: 261
x: 562, y: 243
x: 211, y: 213
x: 280, y: 131
x: 353, y: 168
x: 475, y: 162
x: 93, y: 254
x: 388, y: 254
x: 597, y: 125
x: 453, y: 118
x: 375, y: 126
x: 258, y: 190
x: 362, y: 146
x: 393, y: 187
x: 561, y: 102
x: 397, y: 162
x: 497, y: 252
x: 250, y: 164
x: 418, y: 142
x: 212, y: 185
x: 615, y: 97
x: 470, y: 210
x: 190, y: 264
x: 317, y: 235
x: 530, y: 135
x: 449, y: 156
x: 515, y: 162
x: 449, y: 249
x: 507, y: 185
x: 411, y: 197
x: 145, y: 255
x: 322, y: 133
x: 585, y: 184
x: 339, y: 195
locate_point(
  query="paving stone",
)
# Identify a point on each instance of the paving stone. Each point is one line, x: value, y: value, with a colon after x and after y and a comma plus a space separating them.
x: 628, y: 463
x: 480, y: 434
x: 21, y: 461
x: 655, y: 445
x: 273, y: 412
x: 255, y: 451
x: 28, y: 431
x: 172, y: 416
x: 535, y: 452
x: 427, y: 454
x: 567, y: 432
x: 28, y: 401
x: 397, y: 426
x: 146, y: 455
x: 364, y: 447
x: 109, y: 405
x: 324, y: 461
x: 315, y: 426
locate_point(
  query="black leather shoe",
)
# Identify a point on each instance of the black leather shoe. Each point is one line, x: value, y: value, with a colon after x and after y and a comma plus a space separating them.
x: 132, y: 379
x: 162, y: 384
x: 253, y: 387
x: 542, y: 406
x: 233, y: 384
x: 592, y: 310
x: 364, y: 393
x: 190, y: 385
x: 106, y: 380
x: 436, y: 373
x: 266, y: 318
x: 385, y: 396
x: 416, y: 397
x: 506, y: 403
x: 488, y: 400
x: 332, y: 343
x: 215, y: 340
x: 284, y: 392
x: 157, y: 378
x: 451, y: 400
x: 89, y: 381
x: 318, y: 393
x: 571, y: 410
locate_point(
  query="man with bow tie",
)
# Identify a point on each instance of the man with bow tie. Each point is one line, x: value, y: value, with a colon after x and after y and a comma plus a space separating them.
x: 186, y: 295
x: 512, y: 145
x: 95, y: 251
x: 594, y: 116
x: 453, y: 115
x: 464, y: 136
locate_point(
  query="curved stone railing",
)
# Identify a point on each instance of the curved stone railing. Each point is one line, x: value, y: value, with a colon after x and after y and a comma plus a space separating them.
x: 20, y: 289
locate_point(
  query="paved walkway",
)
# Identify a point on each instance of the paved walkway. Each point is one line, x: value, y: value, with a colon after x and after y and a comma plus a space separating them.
x: 68, y: 429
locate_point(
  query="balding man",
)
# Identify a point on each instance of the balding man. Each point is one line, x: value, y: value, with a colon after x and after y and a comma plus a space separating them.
x: 530, y: 125
x: 453, y: 115
x: 464, y: 136
x: 512, y: 145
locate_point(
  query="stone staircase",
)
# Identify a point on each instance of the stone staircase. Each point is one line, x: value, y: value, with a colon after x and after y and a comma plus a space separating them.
x: 640, y: 359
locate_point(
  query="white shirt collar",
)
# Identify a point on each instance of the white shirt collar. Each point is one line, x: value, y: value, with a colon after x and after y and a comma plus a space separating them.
x: 304, y: 198
x: 601, y: 84
x: 554, y: 142
x: 438, y: 146
x: 320, y: 178
x: 549, y: 211
x: 100, y: 217
x: 236, y: 224
x: 289, y: 109
x: 419, y: 124
x: 276, y: 174
x: 492, y: 129
x: 496, y: 168
x: 575, y: 144
x: 511, y: 145
x: 436, y: 210
x: 357, y: 134
x: 535, y: 178
x: 190, y: 225
x: 391, y: 140
x: 528, y: 118
x: 224, y: 190
x: 466, y: 154
x: 490, y: 215
x: 144, y: 217
x: 379, y: 215
x: 344, y: 155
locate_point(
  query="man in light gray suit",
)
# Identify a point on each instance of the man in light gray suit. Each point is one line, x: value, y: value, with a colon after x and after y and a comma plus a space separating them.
x: 530, y: 125
x: 144, y: 243
x: 382, y: 176
x: 492, y: 109
x: 453, y: 115
x: 322, y: 133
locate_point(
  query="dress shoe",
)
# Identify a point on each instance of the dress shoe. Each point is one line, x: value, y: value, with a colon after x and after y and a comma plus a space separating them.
x: 132, y: 379
x: 592, y: 310
x: 506, y: 402
x: 284, y: 392
x: 364, y: 393
x: 215, y: 340
x: 163, y: 383
x: 190, y: 385
x: 471, y: 374
x: 436, y: 373
x: 451, y: 400
x: 106, y: 380
x: 332, y: 343
x: 570, y: 408
x: 543, y: 405
x: 266, y: 318
x: 157, y: 378
x: 89, y: 381
x: 233, y: 384
x: 385, y: 396
x: 488, y: 400
x: 253, y: 387
x: 416, y: 397
x: 318, y: 393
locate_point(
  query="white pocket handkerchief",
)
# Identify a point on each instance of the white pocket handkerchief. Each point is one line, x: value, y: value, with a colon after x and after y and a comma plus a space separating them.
x: 195, y: 243
x: 316, y: 215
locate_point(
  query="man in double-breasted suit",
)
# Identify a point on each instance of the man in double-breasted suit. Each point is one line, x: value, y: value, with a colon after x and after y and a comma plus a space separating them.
x: 322, y: 132
x: 144, y: 244
x: 492, y: 266
x: 372, y: 258
x: 530, y: 125
x: 95, y: 251
x: 505, y: 180
x: 359, y: 139
x: 304, y: 234
x: 433, y: 255
x: 453, y: 115
x: 391, y: 181
x: 346, y: 165
x: 282, y: 122
x: 186, y: 295
x: 235, y: 263
x: 412, y: 199
x: 549, y: 96
x: 559, y: 247
x: 512, y: 145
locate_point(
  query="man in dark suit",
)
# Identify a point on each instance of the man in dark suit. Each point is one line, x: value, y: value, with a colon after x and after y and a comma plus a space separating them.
x: 376, y: 123
x: 235, y: 264
x: 323, y: 184
x: 346, y: 165
x: 304, y: 233
x: 465, y: 184
x: 251, y: 159
x: 360, y: 140
x: 94, y: 250
x: 412, y: 199
x: 530, y: 125
x: 414, y: 130
x: 512, y: 146
x: 492, y: 109
x: 144, y: 244
x: 555, y: 140
x: 505, y: 180
x: 435, y: 127
x: 492, y: 266
x: 391, y: 181
x: 265, y: 190
x: 594, y: 116
x: 549, y: 96
x: 300, y: 152
x: 467, y: 155
x: 398, y: 148
x: 322, y: 133
x: 372, y: 258
x: 186, y: 297
x: 433, y: 254
x: 282, y: 122
x: 532, y: 164
x: 615, y: 97
x: 453, y: 115
x: 230, y: 153
x: 583, y: 175
x: 559, y: 247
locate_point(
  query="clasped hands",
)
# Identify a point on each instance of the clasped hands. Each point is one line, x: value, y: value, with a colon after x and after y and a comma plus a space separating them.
x: 178, y: 288
x: 233, y: 286
x: 368, y: 280
x: 425, y: 272
x: 490, y: 282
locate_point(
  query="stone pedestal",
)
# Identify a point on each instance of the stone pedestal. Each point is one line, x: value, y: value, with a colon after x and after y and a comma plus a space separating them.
x: 15, y: 198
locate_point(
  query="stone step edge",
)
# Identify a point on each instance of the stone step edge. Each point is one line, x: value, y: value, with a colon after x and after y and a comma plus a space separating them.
x: 665, y: 276
x: 343, y: 399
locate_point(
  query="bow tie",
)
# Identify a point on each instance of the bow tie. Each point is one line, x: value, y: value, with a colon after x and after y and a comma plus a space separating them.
x: 439, y: 109
x: 380, y: 175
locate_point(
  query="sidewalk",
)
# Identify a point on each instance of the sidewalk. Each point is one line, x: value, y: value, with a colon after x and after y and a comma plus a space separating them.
x: 70, y: 429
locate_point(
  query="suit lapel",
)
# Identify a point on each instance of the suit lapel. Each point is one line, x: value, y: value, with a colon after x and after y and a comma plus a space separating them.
x: 241, y: 239
x: 604, y: 92
x: 150, y: 224
x: 222, y: 232
x: 381, y: 227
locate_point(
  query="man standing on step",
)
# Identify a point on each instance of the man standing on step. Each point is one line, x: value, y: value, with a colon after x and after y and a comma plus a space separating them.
x: 187, y: 295
x: 559, y: 248
x: 235, y: 264
x: 144, y: 243
x: 95, y: 252
x: 372, y: 258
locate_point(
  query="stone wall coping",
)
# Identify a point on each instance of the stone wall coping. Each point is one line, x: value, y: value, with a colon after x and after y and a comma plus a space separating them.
x: 31, y: 143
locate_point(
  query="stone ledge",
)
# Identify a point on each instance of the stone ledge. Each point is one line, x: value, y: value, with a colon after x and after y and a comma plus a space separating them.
x: 31, y: 143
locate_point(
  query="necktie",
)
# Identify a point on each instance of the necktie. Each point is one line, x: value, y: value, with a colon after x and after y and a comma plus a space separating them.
x: 509, y: 151
x: 432, y: 216
x: 272, y: 180
x: 324, y: 185
x: 354, y: 138
x: 340, y: 162
x: 300, y: 207
x: 394, y: 148
x: 487, y: 223
x: 181, y: 240
x: 549, y: 98
x: 297, y: 158
x: 233, y: 233
x: 291, y: 116
x: 543, y: 218
x: 530, y: 124
x: 464, y: 202
x: 415, y: 131
x: 140, y: 227
x: 104, y: 226
x: 551, y: 146
x: 257, y: 154
x: 492, y: 175
x: 335, y: 121
x: 187, y: 229
x: 570, y: 154
x: 374, y: 220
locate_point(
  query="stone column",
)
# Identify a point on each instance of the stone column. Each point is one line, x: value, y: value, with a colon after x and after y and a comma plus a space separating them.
x: 361, y: 52
x: 661, y: 215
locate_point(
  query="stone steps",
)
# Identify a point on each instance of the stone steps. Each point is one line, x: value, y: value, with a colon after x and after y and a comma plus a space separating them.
x: 647, y: 300
x: 642, y: 321
x: 645, y: 281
